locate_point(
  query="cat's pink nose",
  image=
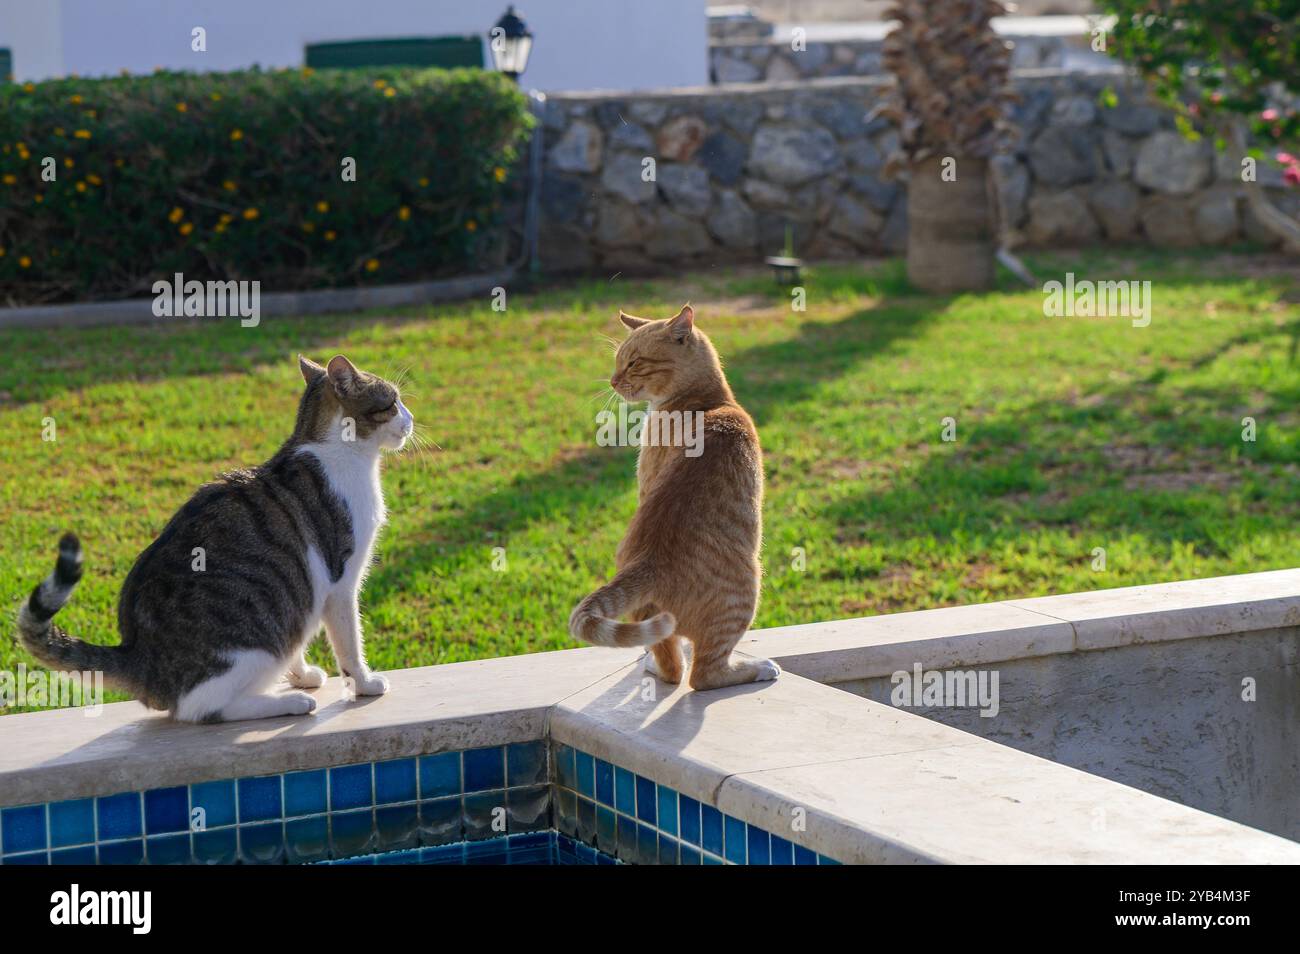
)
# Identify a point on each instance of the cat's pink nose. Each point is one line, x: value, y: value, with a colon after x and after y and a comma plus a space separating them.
x: 613, y: 381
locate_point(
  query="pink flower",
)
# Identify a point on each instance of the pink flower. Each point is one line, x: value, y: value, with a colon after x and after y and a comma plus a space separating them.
x: 1292, y: 175
x: 1268, y: 115
x: 1286, y: 159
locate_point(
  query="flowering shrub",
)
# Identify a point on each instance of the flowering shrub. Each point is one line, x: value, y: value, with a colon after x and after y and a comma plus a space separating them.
x: 109, y: 185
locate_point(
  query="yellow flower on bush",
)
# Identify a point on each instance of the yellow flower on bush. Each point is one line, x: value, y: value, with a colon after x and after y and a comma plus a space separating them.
x: 81, y: 186
x: 380, y: 84
x: 404, y: 213
x: 24, y: 262
x: 226, y: 218
x: 38, y: 198
x: 236, y: 135
x: 10, y: 178
x: 67, y: 162
x: 500, y: 174
x: 372, y: 265
x: 75, y: 99
x: 182, y: 108
x: 187, y: 228
x: 29, y: 87
x: 309, y: 227
x: 175, y: 215
x: 229, y: 186
x: 82, y: 134
x: 251, y: 213
x: 219, y: 227
x: 389, y: 91
x: 94, y: 180
x: 424, y: 182
x: 58, y: 131
x: 322, y: 206
x: 2, y: 251
x: 216, y: 97
x: 471, y: 226
x: 331, y: 235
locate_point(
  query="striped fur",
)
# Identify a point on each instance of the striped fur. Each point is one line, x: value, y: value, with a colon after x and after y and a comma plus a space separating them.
x: 688, y: 568
x: 222, y: 604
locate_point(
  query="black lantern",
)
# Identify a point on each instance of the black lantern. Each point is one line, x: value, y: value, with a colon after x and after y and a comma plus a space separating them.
x: 511, y: 41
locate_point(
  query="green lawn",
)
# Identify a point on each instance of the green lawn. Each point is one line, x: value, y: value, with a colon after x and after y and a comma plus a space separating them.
x: 1072, y: 433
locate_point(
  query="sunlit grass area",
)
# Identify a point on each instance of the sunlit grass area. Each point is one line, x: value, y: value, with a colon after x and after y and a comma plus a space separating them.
x: 1071, y: 434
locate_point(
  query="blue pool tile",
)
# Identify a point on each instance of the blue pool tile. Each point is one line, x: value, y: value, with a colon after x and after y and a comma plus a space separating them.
x: 490, y: 852
x: 410, y: 856
x: 804, y: 856
x: 305, y: 793
x: 647, y: 845
x: 529, y: 808
x: 712, y: 860
x: 782, y: 851
x: 349, y: 787
x: 85, y: 855
x: 605, y: 829
x: 121, y: 852
x: 485, y: 769
x: 711, y: 829
x: 485, y: 813
x: 566, y: 811
x: 667, y: 810
x: 586, y: 854
x: 307, y: 839
x: 564, y: 772
x: 626, y: 844
x: 667, y: 849
x: 735, y: 840
x: 119, y: 816
x: 352, y: 833
x: 690, y: 855
x: 395, y: 781
x: 525, y: 764
x: 30, y: 858
x: 166, y: 810
x: 760, y: 851
x: 586, y: 820
x: 624, y: 791
x: 440, y: 775
x: 23, y: 829
x: 259, y: 799
x: 823, y: 860
x: 585, y: 771
x: 212, y: 804
x: 168, y: 850
x: 604, y: 782
x: 440, y: 821
x: 397, y: 827
x: 72, y: 823
x: 262, y: 844
x: 645, y: 800
x: 443, y: 855
x: 216, y: 847
x: 690, y: 820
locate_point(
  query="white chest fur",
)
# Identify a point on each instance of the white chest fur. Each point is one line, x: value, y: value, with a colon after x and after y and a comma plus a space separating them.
x: 354, y: 476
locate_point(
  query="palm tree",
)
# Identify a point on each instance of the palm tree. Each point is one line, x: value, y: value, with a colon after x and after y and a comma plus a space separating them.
x: 949, y: 103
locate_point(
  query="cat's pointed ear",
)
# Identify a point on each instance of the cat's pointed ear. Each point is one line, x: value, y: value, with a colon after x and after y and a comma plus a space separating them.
x: 682, y: 324
x: 343, y: 374
x: 310, y: 369
x: 632, y: 321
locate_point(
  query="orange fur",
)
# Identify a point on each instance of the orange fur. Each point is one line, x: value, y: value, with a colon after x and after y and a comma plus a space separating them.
x: 688, y: 568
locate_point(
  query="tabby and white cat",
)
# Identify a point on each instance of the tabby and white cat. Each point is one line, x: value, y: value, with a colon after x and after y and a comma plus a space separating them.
x: 285, y: 548
x: 688, y: 567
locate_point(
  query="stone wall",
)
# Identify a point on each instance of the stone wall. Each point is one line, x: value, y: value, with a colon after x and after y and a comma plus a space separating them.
x: 734, y: 166
x: 775, y: 61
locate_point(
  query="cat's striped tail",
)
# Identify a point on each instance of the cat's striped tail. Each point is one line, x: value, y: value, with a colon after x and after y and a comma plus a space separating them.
x: 49, y: 643
x: 595, y: 619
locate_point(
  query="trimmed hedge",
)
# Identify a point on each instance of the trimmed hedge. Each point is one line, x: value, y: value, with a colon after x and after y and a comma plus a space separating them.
x: 239, y: 176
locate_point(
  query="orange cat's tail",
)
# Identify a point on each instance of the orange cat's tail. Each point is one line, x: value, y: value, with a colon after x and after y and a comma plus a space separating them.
x: 595, y: 619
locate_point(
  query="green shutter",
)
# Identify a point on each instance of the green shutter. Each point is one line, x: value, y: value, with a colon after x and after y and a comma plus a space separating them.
x: 6, y: 65
x: 444, y: 51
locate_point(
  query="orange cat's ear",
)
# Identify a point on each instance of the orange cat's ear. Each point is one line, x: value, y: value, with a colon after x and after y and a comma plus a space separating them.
x: 632, y: 321
x: 683, y: 323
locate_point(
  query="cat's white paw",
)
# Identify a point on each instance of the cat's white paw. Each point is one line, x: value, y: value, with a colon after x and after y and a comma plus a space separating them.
x: 651, y: 665
x: 312, y: 677
x: 298, y: 703
x: 767, y: 670
x: 374, y: 684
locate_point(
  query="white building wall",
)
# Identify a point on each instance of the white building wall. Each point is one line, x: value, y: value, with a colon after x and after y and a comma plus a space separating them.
x: 579, y: 44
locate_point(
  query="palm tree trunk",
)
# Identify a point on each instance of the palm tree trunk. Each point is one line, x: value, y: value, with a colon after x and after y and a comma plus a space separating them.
x: 951, y: 236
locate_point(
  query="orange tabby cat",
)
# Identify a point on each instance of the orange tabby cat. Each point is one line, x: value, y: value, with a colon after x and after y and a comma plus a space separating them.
x: 688, y: 567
